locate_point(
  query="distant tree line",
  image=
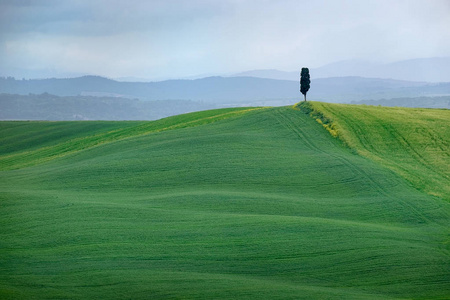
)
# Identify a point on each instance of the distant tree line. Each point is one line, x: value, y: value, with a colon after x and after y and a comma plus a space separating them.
x: 58, y: 108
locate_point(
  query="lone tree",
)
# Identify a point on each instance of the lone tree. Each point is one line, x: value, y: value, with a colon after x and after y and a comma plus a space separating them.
x: 304, y: 81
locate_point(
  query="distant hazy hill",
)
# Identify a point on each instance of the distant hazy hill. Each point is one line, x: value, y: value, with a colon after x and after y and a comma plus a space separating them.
x: 271, y: 74
x: 229, y: 91
x: 63, y: 108
x: 423, y: 69
x: 58, y: 108
x: 211, y: 89
x: 345, y: 89
x: 424, y: 102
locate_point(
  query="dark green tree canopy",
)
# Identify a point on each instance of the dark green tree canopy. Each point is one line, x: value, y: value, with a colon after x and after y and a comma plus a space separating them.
x: 304, y: 81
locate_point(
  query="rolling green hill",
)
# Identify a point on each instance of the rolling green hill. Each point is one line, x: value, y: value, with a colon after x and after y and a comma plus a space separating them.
x: 243, y: 203
x: 412, y: 142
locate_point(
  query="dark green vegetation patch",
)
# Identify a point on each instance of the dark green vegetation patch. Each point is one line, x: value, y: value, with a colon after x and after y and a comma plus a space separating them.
x: 237, y: 203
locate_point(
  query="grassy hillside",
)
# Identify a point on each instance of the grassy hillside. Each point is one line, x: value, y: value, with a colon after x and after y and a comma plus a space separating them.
x: 238, y: 203
x: 415, y: 143
x: 25, y: 143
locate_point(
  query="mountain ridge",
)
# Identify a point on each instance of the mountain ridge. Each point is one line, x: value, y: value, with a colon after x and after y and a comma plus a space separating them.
x: 228, y: 90
x: 433, y: 70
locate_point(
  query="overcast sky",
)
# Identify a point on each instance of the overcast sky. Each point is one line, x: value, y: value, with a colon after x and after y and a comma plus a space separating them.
x: 160, y: 39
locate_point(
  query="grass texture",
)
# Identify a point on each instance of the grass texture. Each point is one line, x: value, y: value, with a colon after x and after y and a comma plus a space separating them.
x: 224, y: 204
x: 414, y: 143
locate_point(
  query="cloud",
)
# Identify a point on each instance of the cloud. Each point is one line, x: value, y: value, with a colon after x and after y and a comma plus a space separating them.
x: 102, y: 17
x: 173, y: 38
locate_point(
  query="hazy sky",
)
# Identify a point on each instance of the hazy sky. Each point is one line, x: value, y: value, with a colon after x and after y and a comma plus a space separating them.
x: 175, y: 38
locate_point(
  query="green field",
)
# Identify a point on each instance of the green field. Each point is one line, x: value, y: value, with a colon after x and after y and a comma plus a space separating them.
x: 415, y: 143
x: 246, y: 203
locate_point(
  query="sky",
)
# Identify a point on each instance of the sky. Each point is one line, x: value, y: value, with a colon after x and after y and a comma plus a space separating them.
x: 161, y: 39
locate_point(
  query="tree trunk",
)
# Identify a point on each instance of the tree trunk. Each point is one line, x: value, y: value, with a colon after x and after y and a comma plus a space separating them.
x: 305, y: 96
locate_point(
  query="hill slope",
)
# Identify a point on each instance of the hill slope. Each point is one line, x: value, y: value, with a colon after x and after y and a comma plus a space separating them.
x: 250, y: 203
x: 412, y: 142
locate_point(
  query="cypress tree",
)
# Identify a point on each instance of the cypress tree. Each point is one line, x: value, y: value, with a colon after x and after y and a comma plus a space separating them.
x: 304, y: 81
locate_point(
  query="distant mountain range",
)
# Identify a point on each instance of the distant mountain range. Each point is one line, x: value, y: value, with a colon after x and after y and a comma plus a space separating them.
x: 98, y: 98
x: 58, y: 108
x: 229, y: 91
x: 422, y: 70
x: 423, y: 102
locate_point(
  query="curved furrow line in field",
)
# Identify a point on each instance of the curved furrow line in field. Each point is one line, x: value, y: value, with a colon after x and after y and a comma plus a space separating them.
x: 289, y: 125
x: 415, y: 144
x: 359, y: 131
x: 356, y: 169
x: 284, y: 218
x: 396, y: 135
x: 260, y: 284
x: 370, y: 150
